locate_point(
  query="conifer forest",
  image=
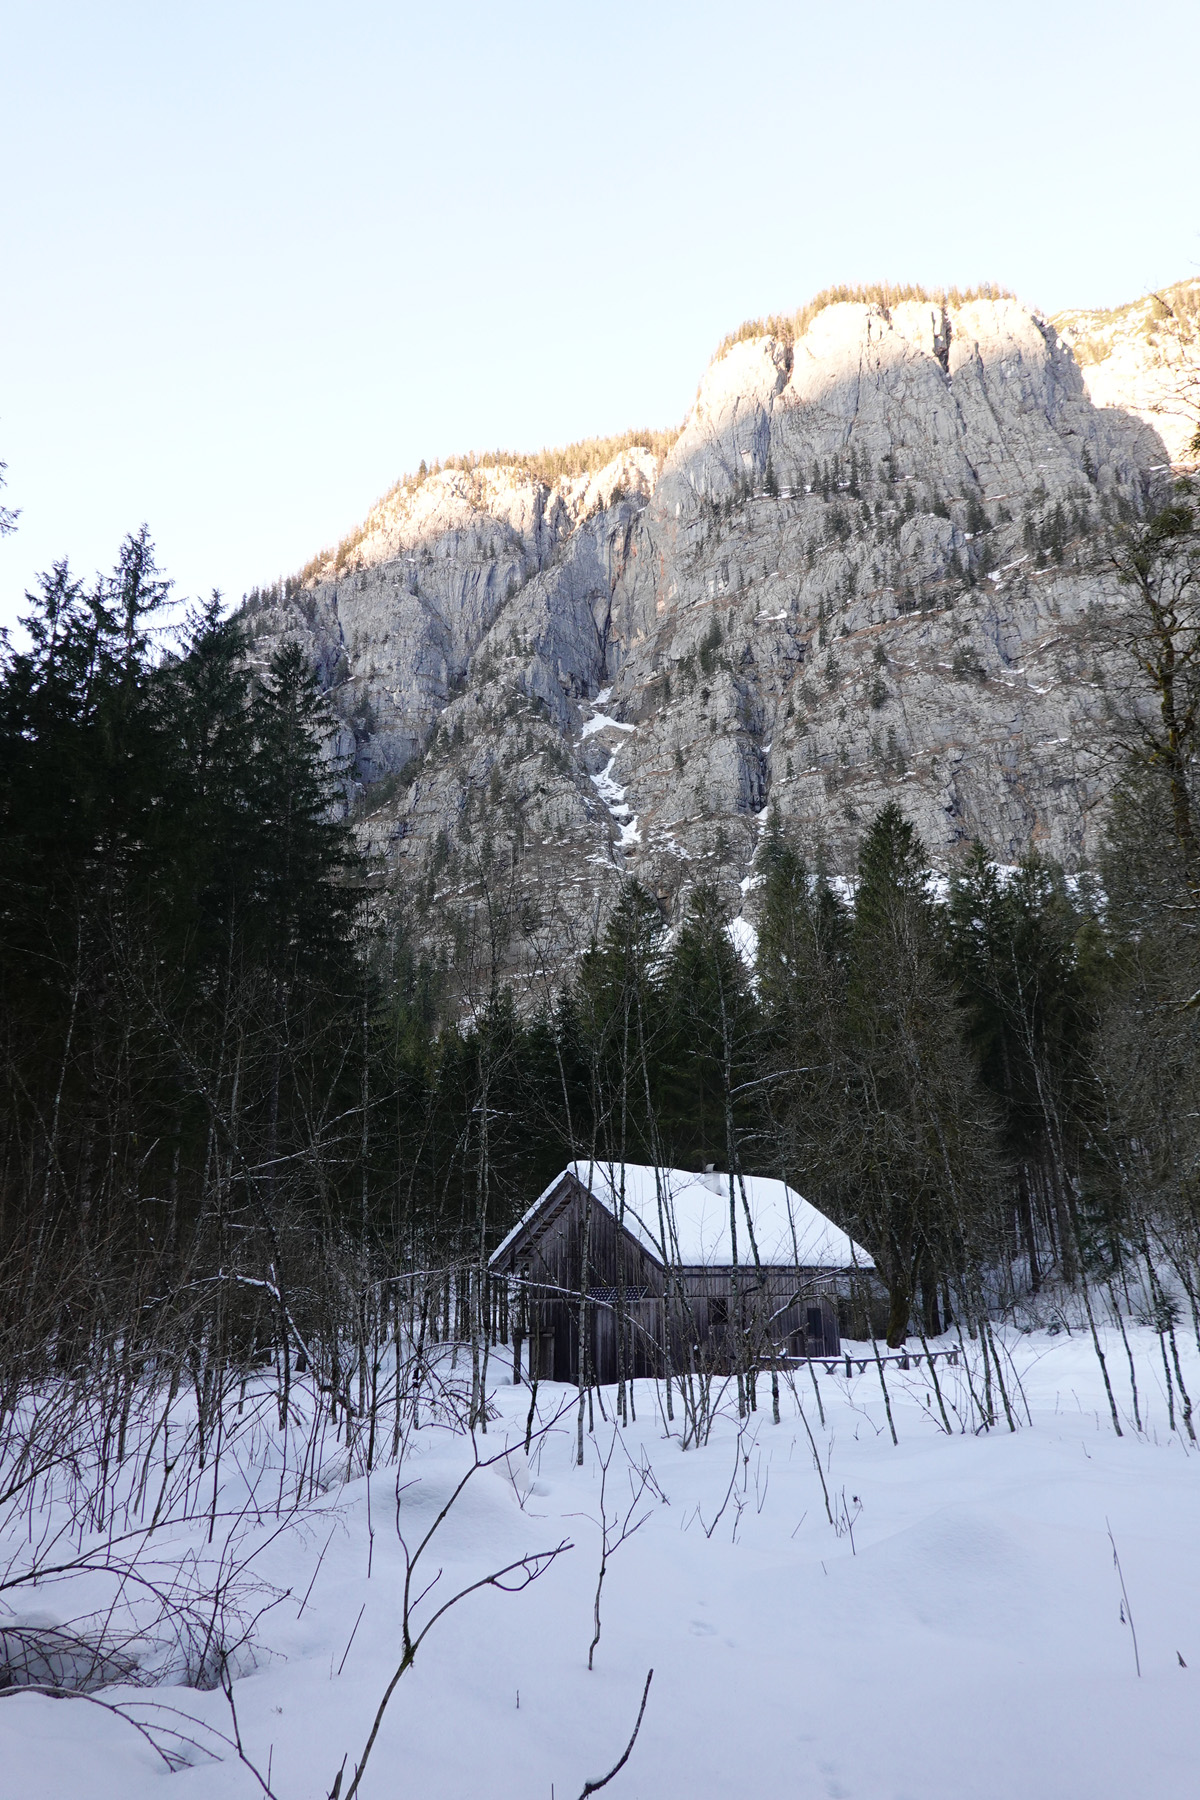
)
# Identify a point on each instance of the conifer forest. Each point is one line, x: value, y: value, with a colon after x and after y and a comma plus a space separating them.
x: 239, y: 1109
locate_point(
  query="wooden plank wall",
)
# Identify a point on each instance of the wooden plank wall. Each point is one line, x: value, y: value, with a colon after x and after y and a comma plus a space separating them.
x: 549, y: 1256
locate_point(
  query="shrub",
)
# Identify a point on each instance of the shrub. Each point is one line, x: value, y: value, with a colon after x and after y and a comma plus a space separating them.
x: 710, y: 643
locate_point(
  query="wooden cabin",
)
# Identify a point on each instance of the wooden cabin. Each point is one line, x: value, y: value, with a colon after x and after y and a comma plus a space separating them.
x: 661, y: 1268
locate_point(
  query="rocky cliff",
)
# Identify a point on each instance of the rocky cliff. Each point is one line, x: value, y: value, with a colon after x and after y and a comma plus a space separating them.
x: 1145, y: 359
x: 864, y: 569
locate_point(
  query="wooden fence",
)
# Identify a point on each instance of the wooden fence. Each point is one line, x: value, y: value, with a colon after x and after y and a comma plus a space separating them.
x: 900, y: 1359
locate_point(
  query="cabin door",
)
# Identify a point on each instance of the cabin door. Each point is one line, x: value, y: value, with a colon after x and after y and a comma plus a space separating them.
x: 822, y: 1335
x: 541, y: 1356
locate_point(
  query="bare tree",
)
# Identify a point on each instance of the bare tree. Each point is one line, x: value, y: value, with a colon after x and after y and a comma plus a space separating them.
x: 415, y: 1626
x: 615, y: 1531
x: 1157, y: 638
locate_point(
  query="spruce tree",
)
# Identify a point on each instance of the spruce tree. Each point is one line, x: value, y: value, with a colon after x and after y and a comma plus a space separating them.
x: 925, y: 1161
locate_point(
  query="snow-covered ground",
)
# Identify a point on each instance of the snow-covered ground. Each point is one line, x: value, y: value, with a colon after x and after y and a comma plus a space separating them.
x: 956, y: 1634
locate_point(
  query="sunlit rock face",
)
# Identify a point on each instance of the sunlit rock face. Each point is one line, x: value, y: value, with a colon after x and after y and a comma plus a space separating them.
x: 1145, y: 359
x: 865, y: 570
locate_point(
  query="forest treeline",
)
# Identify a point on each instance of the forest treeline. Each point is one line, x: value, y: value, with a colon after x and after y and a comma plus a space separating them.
x: 244, y: 1119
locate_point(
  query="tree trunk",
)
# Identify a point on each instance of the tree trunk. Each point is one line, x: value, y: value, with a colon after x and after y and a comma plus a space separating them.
x: 899, y: 1310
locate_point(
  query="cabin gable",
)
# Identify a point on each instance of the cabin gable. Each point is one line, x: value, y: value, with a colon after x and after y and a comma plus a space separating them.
x: 573, y: 1242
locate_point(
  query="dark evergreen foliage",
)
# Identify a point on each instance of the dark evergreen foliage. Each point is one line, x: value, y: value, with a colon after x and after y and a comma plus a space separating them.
x: 226, y: 1069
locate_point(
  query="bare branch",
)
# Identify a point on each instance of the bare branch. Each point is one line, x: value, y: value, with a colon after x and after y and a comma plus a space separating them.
x: 593, y: 1787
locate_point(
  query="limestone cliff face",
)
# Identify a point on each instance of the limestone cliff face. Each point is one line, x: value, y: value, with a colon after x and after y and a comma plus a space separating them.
x: 864, y: 571
x: 1145, y: 358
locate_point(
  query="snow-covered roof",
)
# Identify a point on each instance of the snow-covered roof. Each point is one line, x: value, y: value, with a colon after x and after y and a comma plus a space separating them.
x: 694, y: 1214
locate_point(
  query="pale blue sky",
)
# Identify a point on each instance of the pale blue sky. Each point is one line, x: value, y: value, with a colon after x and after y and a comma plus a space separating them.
x: 257, y: 259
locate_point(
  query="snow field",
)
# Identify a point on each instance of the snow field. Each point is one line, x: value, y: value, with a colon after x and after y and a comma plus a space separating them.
x: 955, y: 1635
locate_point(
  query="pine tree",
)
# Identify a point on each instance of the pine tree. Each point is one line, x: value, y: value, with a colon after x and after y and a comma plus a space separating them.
x: 925, y: 1164
x: 1032, y: 966
x: 178, y: 967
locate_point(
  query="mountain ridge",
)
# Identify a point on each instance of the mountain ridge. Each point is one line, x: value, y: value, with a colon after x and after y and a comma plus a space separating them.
x: 862, y: 569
